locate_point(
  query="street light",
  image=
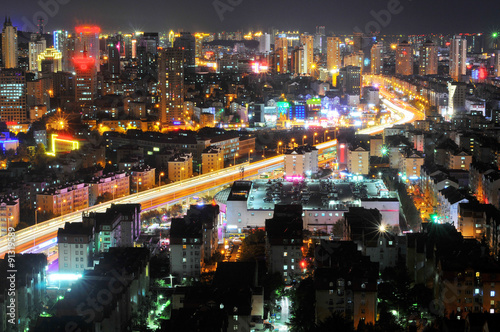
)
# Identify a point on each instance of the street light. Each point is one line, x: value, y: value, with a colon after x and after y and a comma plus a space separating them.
x: 314, y: 138
x: 234, y: 158
x: 303, y: 138
x: 159, y: 180
x: 114, y: 191
x: 279, y: 146
x: 324, y: 135
x: 137, y: 184
x: 249, y: 152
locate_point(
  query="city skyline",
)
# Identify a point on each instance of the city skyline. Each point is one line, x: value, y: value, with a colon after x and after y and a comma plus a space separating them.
x: 343, y: 17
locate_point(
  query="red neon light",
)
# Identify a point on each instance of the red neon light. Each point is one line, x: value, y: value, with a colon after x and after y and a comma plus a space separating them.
x: 84, y: 63
x: 483, y: 73
x: 87, y: 30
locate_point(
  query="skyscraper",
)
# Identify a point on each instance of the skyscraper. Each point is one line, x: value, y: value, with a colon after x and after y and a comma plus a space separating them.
x: 13, y: 95
x: 113, y: 56
x: 87, y: 40
x: 404, y: 59
x: 281, y: 54
x: 37, y: 46
x: 428, y: 59
x: 60, y: 37
x: 86, y: 80
x: 9, y: 45
x: 297, y: 57
x: 171, y: 86
x: 497, y: 63
x: 265, y: 43
x: 458, y: 57
x: 377, y: 59
x: 308, y: 45
x: 456, y: 98
x: 49, y: 61
x: 187, y: 43
x: 333, y: 56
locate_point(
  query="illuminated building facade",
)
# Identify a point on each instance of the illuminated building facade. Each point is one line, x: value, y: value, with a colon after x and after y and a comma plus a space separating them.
x: 404, y: 59
x: 87, y: 40
x: 37, y: 46
x: 377, y: 59
x: 281, y: 55
x: 64, y: 200
x: 301, y: 161
x: 171, y: 86
x: 141, y: 178
x: 358, y: 161
x: 297, y: 59
x: 86, y: 81
x: 13, y: 96
x: 333, y: 56
x: 9, y: 45
x: 456, y: 97
x: 60, y: 37
x: 308, y: 44
x: 115, y: 185
x: 50, y: 61
x: 187, y: 43
x: 428, y: 59
x: 458, y: 57
x: 114, y: 57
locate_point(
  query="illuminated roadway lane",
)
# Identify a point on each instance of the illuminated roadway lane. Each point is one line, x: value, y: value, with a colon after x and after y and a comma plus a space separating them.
x: 156, y: 197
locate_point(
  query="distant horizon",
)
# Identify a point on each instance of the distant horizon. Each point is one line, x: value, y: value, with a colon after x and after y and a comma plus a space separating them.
x: 391, y: 17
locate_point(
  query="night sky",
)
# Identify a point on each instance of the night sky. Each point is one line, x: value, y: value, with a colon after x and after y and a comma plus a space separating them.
x: 416, y: 16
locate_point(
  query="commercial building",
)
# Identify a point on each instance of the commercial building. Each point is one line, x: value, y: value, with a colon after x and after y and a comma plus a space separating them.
x: 249, y: 204
x: 75, y: 247
x: 85, y: 80
x: 333, y: 55
x: 307, y: 42
x: 87, y: 45
x: 456, y: 98
x: 349, y: 80
x: 36, y: 46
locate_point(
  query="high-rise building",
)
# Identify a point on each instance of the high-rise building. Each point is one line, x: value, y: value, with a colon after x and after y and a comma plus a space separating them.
x: 404, y: 59
x: 60, y: 37
x: 281, y: 54
x: 87, y: 40
x: 357, y: 40
x: 13, y: 100
x: 308, y: 45
x: 113, y: 56
x: 171, y: 86
x: 297, y: 58
x: 428, y: 59
x: 9, y: 45
x: 265, y: 43
x: 377, y: 59
x: 349, y: 80
x: 86, y: 80
x: 333, y: 56
x: 37, y: 46
x: 187, y: 43
x: 458, y: 57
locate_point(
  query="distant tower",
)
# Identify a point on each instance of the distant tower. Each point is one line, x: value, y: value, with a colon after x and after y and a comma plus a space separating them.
x: 377, y: 59
x: 458, y: 57
x: 333, y: 56
x: 86, y: 79
x: 428, y: 59
x: 308, y: 44
x: 9, y: 44
x: 281, y: 54
x: 87, y: 39
x: 404, y: 59
x: 171, y: 86
x: 40, y: 25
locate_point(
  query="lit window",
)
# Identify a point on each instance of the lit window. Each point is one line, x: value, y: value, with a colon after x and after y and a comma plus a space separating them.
x: 492, y: 293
